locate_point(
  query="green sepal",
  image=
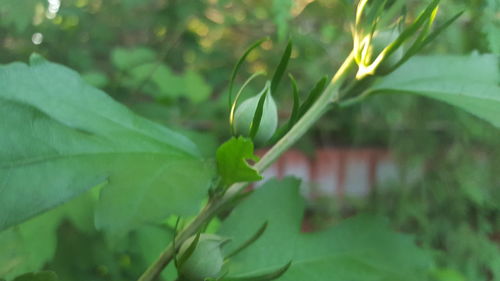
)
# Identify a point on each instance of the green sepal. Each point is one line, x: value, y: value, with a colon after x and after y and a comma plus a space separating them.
x: 176, y: 227
x: 418, y: 45
x: 313, y: 96
x: 189, y: 250
x: 426, y: 16
x: 412, y: 29
x: 264, y: 277
x: 257, y: 117
x: 238, y: 65
x: 280, y: 70
x: 249, y: 242
x: 235, y: 102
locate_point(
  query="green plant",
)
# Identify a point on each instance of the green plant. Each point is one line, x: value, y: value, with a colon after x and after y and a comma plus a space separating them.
x: 66, y: 137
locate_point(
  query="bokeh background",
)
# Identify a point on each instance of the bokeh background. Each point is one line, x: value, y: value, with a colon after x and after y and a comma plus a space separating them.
x: 170, y: 60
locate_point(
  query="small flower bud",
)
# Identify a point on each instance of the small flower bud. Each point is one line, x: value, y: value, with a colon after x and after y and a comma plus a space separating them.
x: 205, y: 261
x: 245, y: 113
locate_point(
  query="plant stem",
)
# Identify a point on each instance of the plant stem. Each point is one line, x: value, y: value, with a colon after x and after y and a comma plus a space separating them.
x: 331, y: 94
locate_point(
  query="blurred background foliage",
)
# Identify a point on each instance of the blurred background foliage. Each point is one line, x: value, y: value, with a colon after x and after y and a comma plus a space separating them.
x: 170, y: 61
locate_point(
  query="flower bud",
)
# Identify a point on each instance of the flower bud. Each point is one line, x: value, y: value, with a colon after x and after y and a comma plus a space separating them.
x: 205, y: 261
x: 245, y: 113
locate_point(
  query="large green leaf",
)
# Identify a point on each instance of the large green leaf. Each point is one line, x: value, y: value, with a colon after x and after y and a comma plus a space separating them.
x: 60, y: 137
x: 468, y: 82
x: 360, y: 249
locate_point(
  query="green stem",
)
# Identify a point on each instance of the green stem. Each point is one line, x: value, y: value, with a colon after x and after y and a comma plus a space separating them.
x: 331, y: 94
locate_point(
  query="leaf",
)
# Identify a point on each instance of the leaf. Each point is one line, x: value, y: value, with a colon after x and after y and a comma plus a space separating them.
x: 282, y: 14
x: 491, y: 25
x: 18, y: 13
x: 160, y: 82
x: 38, y: 276
x: 468, y: 82
x: 156, y: 80
x: 362, y: 248
x: 232, y: 162
x: 96, y: 78
x: 125, y: 59
x: 195, y: 87
x: 61, y: 137
x: 30, y: 245
x: 248, y: 242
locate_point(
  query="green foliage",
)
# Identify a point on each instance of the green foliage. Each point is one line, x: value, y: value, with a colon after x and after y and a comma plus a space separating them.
x: 96, y: 79
x: 125, y: 59
x: 64, y: 142
x: 18, y: 13
x: 282, y: 10
x: 142, y: 72
x: 79, y: 138
x: 361, y: 248
x: 470, y: 83
x: 30, y: 245
x: 491, y: 25
x: 232, y: 157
